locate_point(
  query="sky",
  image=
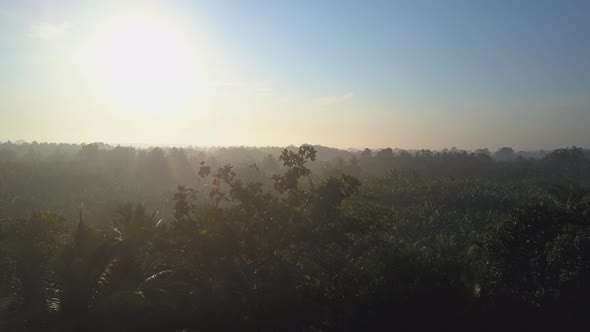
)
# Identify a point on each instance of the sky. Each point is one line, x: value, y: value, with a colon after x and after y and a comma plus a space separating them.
x: 408, y: 74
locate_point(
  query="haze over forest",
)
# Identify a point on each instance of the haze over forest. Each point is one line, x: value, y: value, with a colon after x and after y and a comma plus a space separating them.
x: 300, y: 166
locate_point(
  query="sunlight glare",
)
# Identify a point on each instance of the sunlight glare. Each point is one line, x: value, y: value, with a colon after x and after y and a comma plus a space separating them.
x: 145, y: 62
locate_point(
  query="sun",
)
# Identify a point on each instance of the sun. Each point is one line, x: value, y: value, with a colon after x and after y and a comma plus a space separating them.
x: 144, y: 61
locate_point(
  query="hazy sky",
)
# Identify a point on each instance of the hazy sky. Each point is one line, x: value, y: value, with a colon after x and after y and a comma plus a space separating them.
x: 408, y: 74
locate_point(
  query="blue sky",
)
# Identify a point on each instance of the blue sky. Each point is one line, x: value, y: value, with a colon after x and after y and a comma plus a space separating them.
x: 407, y: 74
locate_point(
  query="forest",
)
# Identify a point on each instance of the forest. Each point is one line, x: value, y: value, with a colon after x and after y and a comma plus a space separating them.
x: 95, y: 237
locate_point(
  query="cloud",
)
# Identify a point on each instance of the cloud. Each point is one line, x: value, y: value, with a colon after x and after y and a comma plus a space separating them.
x: 241, y: 87
x: 48, y: 31
x: 333, y: 100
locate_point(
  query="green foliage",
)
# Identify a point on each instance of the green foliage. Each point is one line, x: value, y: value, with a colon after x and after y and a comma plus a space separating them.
x: 430, y: 240
x: 569, y: 197
x: 540, y: 252
x: 296, y: 169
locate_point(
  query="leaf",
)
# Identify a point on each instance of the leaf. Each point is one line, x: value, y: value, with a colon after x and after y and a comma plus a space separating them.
x: 157, y: 279
x: 159, y: 222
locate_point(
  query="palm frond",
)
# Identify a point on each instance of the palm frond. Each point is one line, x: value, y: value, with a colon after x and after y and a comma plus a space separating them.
x: 6, y: 304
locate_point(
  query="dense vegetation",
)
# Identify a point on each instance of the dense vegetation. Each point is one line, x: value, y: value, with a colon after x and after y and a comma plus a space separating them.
x: 100, y: 238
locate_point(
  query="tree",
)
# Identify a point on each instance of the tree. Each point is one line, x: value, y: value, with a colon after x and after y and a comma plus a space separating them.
x: 485, y: 152
x: 504, y: 154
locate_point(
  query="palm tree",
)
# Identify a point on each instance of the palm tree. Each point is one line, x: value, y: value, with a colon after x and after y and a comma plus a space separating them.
x: 569, y: 196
